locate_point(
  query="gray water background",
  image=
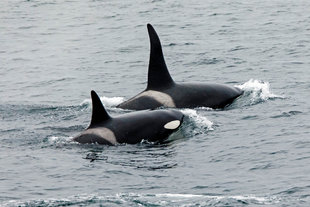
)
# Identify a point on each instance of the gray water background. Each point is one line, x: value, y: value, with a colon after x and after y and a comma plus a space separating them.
x: 254, y: 153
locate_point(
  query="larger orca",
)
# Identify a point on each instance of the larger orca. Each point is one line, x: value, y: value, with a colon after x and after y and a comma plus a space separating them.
x: 130, y: 128
x: 162, y: 91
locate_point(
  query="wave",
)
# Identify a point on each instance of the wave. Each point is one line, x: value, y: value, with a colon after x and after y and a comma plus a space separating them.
x: 55, y: 141
x: 196, y: 123
x: 135, y: 199
x: 198, y: 119
x: 255, y: 91
x: 107, y: 101
x: 58, y: 140
x: 239, y: 198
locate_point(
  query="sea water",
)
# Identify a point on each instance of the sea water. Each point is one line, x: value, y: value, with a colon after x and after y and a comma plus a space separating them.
x: 256, y: 152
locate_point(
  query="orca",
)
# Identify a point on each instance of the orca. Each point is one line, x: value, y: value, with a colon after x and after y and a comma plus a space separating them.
x: 131, y: 128
x: 162, y: 91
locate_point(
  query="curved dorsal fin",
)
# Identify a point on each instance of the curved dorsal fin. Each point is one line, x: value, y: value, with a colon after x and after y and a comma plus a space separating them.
x: 99, y: 113
x: 158, y: 75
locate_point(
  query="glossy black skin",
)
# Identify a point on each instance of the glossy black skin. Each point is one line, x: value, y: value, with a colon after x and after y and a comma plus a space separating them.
x: 189, y: 95
x: 208, y: 95
x: 128, y: 128
x: 134, y: 127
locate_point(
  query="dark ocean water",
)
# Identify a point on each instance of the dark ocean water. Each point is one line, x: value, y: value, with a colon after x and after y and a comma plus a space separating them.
x: 256, y: 152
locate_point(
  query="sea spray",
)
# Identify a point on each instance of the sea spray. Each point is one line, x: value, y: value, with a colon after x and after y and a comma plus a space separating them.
x: 256, y: 91
x: 107, y: 101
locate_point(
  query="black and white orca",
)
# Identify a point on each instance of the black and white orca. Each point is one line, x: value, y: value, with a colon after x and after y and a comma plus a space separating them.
x: 131, y: 128
x: 162, y: 91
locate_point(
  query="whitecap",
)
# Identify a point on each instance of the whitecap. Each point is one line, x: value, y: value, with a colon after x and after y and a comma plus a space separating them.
x: 107, y: 101
x: 253, y: 198
x: 257, y: 91
x: 58, y: 140
x: 129, y: 199
x: 201, y: 121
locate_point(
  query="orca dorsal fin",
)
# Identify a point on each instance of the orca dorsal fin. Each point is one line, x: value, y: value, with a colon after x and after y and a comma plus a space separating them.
x: 99, y: 113
x: 158, y: 75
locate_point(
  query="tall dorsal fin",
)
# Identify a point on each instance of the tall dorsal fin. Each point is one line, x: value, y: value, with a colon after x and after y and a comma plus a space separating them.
x: 99, y: 113
x: 158, y: 75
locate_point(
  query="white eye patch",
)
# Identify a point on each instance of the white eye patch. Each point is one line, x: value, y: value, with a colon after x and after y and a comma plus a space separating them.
x: 172, y: 124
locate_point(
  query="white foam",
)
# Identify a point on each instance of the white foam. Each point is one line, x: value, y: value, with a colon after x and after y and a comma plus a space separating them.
x: 127, y: 198
x: 257, y: 90
x: 262, y: 200
x: 107, y: 101
x: 200, y: 120
x: 57, y: 140
x: 173, y: 195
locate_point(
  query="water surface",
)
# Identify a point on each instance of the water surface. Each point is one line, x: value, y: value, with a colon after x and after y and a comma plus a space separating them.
x: 53, y: 53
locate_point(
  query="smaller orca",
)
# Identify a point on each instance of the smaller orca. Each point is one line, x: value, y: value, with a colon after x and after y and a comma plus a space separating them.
x: 129, y: 128
x: 161, y: 90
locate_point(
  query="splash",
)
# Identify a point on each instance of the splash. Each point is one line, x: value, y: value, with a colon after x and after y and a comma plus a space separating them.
x: 261, y: 200
x: 107, y: 101
x: 55, y: 140
x: 165, y: 199
x: 257, y: 91
x: 200, y: 121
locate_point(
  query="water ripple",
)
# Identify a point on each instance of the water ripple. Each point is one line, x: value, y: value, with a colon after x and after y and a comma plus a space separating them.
x: 165, y: 199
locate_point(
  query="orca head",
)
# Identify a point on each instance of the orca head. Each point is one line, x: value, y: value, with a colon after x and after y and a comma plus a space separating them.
x: 171, y: 120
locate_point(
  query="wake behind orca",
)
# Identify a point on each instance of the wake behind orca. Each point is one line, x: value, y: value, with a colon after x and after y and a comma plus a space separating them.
x: 129, y: 128
x: 161, y: 90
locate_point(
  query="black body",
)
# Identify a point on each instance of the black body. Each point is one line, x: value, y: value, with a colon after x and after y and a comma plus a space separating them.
x: 129, y: 128
x: 163, y: 91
